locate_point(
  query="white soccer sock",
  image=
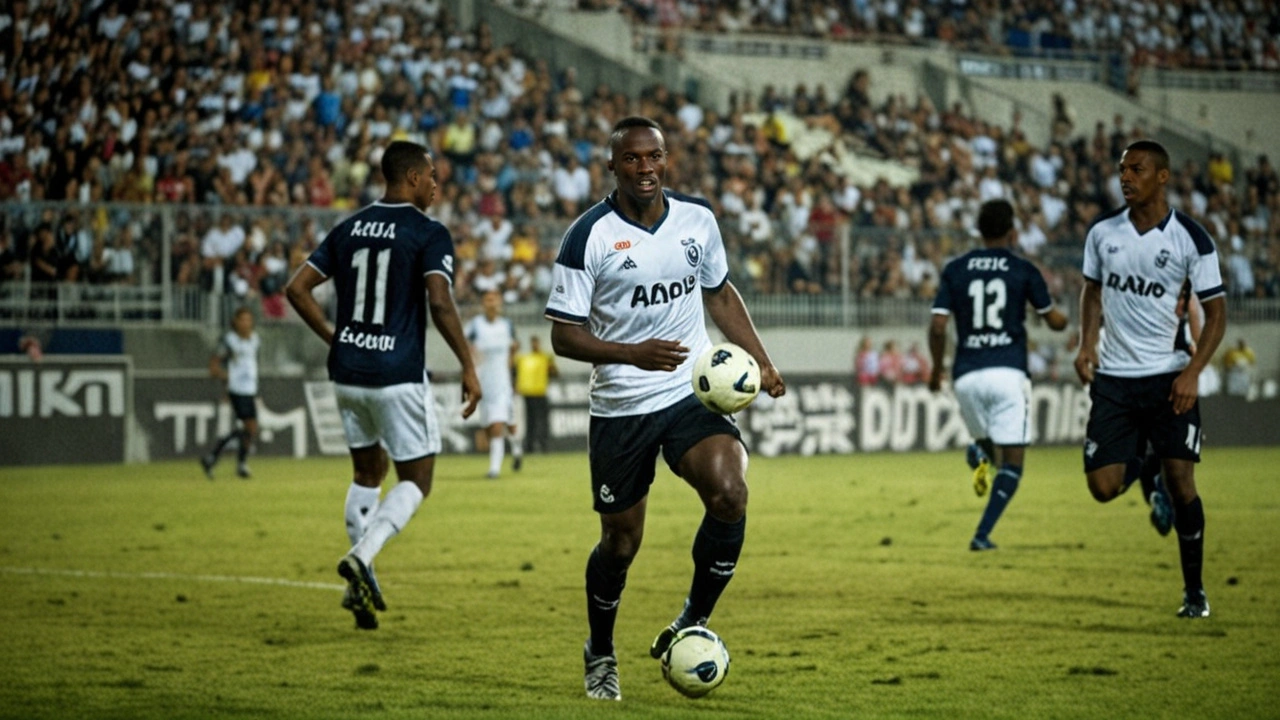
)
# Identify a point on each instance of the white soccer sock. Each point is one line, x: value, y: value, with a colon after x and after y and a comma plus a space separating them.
x: 362, y: 503
x: 395, y: 512
x: 517, y: 447
x: 495, y: 455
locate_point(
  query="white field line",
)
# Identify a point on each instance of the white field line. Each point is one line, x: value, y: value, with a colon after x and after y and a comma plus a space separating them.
x: 171, y: 576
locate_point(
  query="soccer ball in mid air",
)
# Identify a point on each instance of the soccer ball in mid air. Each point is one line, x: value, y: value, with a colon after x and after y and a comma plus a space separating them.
x: 726, y: 378
x: 696, y: 662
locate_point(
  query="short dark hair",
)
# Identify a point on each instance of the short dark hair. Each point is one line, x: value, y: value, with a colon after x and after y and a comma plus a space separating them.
x: 995, y: 219
x: 621, y: 127
x: 1153, y: 148
x: 399, y: 158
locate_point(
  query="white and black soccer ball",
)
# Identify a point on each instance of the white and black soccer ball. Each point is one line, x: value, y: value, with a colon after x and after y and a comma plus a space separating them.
x: 726, y: 378
x: 696, y: 662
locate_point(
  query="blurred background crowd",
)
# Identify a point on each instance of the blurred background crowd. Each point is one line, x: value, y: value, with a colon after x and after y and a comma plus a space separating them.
x: 231, y: 109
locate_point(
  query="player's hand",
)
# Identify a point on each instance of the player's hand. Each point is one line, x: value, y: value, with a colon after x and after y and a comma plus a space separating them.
x: 935, y: 380
x: 771, y: 381
x: 1186, y: 388
x: 663, y: 355
x: 470, y: 392
x: 1086, y: 363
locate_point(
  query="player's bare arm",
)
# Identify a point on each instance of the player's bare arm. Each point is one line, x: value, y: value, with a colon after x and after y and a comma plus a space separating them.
x: 300, y: 297
x: 729, y: 313
x: 937, y: 348
x: 577, y: 342
x: 1186, y: 387
x: 1090, y: 324
x: 444, y: 314
x: 1055, y: 319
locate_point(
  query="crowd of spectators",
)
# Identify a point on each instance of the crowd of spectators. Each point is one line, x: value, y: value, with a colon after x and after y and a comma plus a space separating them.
x: 241, y: 115
x: 1231, y: 35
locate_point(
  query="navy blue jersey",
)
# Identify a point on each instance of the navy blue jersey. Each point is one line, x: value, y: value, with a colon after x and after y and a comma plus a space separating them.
x: 379, y: 259
x: 987, y: 291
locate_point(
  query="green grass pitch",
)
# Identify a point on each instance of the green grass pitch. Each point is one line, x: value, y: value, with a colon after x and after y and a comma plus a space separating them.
x: 149, y: 592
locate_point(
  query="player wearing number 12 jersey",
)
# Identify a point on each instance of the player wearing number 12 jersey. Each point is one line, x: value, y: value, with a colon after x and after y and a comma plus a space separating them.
x: 390, y: 264
x: 987, y: 291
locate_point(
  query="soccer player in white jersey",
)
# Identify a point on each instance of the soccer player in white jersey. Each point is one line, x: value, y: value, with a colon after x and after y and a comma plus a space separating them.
x: 1143, y: 387
x: 493, y: 343
x: 236, y: 363
x: 629, y: 289
x: 987, y: 291
x: 390, y: 265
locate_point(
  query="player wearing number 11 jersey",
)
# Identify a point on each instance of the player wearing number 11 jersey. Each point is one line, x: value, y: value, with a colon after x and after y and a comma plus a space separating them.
x: 390, y: 264
x: 987, y: 292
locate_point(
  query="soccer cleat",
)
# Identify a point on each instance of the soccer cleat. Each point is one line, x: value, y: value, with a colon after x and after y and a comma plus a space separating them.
x: 601, y: 677
x: 242, y: 471
x: 1195, y: 605
x: 978, y: 544
x: 1161, y: 508
x: 366, y: 619
x: 981, y: 481
x: 361, y: 579
x: 663, y: 641
x: 206, y: 464
x: 517, y: 462
x: 981, y: 466
x: 492, y: 475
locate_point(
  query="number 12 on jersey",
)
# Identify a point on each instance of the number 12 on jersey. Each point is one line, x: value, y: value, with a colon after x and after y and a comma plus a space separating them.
x: 360, y: 261
x: 988, y: 311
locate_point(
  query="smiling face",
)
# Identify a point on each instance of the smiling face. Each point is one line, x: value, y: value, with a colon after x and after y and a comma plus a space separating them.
x: 1142, y: 180
x: 639, y: 163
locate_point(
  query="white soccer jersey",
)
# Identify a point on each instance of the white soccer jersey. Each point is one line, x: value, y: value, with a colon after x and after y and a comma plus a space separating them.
x: 241, y: 357
x: 493, y: 340
x: 1141, y: 276
x: 629, y: 284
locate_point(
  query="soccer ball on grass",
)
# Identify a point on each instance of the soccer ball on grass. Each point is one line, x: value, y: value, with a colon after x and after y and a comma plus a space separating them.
x: 726, y: 378
x: 696, y: 662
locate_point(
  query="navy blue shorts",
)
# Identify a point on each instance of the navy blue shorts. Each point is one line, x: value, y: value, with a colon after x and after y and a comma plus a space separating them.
x: 624, y: 450
x: 1129, y: 412
x: 244, y: 406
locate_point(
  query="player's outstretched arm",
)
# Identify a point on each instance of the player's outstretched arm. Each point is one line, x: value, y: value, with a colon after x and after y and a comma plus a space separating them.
x: 304, y: 302
x: 937, y: 348
x: 577, y: 342
x: 444, y: 314
x: 1090, y: 324
x: 729, y: 313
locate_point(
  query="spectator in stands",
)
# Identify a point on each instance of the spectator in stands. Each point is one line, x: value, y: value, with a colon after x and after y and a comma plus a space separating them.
x: 866, y: 363
x: 890, y: 363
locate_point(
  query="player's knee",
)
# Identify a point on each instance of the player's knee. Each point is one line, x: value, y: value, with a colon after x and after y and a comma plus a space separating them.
x: 727, y: 502
x: 1102, y: 490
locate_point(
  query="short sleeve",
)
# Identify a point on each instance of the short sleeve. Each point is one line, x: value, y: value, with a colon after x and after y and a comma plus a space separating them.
x: 714, y: 271
x: 1092, y: 267
x: 322, y: 257
x: 437, y: 254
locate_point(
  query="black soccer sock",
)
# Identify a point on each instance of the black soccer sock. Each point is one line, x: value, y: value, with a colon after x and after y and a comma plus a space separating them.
x: 1002, y: 490
x: 989, y: 448
x: 223, y: 442
x: 243, y: 452
x: 715, y: 556
x: 1189, y: 522
x: 604, y: 592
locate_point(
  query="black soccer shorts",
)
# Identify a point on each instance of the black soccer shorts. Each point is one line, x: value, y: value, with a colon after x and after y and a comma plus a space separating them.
x: 244, y: 406
x: 624, y: 450
x: 1129, y: 412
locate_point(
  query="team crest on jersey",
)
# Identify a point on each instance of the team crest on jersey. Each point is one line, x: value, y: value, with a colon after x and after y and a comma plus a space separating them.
x: 1162, y: 259
x: 692, y: 251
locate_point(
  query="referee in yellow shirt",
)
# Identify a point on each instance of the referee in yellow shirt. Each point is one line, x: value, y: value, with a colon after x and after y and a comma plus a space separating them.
x: 534, y: 370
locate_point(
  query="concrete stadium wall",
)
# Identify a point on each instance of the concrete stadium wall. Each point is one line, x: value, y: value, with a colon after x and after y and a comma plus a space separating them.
x: 290, y: 349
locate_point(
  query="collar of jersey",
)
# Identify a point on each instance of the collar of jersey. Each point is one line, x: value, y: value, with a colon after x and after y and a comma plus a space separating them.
x: 1128, y: 215
x: 611, y: 200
